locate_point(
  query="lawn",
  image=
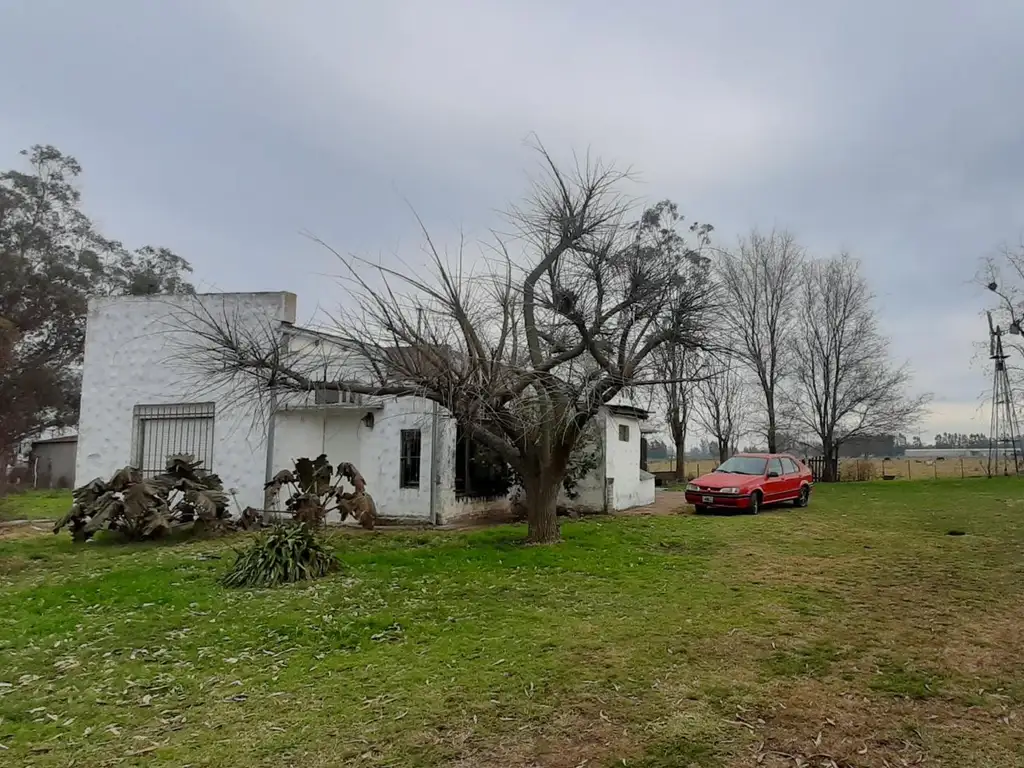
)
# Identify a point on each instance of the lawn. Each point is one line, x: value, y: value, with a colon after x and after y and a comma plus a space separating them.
x: 35, y: 505
x: 858, y: 632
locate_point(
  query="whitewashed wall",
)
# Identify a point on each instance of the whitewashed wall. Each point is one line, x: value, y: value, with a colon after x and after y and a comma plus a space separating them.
x: 341, y: 433
x: 622, y: 462
x: 130, y: 349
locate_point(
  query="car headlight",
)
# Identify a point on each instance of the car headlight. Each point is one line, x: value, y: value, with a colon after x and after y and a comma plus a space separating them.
x: 691, y: 487
x: 730, y: 490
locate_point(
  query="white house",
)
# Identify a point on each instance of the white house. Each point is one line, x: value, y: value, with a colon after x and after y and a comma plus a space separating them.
x: 141, y: 403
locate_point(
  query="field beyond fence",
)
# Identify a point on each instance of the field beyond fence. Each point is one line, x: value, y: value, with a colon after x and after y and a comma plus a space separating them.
x: 868, y: 469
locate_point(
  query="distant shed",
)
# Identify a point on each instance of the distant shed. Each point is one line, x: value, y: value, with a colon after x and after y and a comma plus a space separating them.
x: 52, y: 462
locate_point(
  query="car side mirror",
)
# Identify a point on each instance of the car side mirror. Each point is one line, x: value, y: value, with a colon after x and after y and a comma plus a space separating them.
x: 773, y: 474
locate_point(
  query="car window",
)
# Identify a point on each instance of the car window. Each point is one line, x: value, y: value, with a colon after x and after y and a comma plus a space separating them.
x: 742, y: 465
x: 775, y: 466
x: 790, y: 466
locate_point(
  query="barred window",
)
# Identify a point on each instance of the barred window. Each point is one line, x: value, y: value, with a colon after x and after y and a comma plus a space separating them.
x: 409, y: 474
x: 164, y: 430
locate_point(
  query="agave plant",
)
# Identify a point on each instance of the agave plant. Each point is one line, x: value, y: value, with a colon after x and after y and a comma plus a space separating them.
x: 140, y: 508
x: 286, y: 554
x: 315, y: 489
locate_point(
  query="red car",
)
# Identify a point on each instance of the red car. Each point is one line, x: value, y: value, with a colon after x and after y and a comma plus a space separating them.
x: 749, y: 480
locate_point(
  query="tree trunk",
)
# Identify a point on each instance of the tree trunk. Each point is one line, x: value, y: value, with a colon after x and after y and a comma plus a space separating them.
x: 773, y: 438
x: 681, y: 461
x: 541, y: 501
x: 723, y: 451
x: 828, y: 474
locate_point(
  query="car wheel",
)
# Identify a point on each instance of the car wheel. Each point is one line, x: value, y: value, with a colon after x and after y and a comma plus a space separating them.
x: 700, y: 509
x: 804, y: 497
x: 755, y: 502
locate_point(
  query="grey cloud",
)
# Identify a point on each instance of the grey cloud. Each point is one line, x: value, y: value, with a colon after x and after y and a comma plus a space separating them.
x: 224, y: 128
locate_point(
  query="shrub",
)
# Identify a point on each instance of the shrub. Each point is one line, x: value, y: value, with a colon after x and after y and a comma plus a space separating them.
x: 865, y: 470
x: 286, y: 554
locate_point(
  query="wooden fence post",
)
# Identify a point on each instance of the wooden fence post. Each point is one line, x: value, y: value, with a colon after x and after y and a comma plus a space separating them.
x: 935, y: 470
x: 961, y: 467
x: 909, y: 476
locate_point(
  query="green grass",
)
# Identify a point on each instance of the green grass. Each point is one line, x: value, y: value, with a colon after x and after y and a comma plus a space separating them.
x: 659, y: 641
x: 35, y: 505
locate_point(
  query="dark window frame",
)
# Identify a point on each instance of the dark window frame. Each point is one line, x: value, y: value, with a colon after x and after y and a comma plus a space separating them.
x: 410, y: 457
x: 623, y: 433
x: 793, y: 469
x: 777, y: 461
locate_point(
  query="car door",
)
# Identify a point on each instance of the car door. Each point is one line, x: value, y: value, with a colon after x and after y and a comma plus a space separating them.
x: 794, y: 477
x: 775, y: 487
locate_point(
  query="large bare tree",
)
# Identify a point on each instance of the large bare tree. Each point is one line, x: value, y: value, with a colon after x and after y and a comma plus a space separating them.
x: 845, y: 383
x: 522, y: 347
x: 760, y: 281
x: 721, y: 408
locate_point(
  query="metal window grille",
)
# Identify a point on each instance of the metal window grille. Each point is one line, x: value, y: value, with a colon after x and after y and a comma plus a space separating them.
x: 624, y: 433
x: 164, y: 430
x: 409, y: 468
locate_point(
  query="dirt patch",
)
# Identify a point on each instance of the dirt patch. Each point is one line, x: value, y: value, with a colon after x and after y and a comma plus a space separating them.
x: 665, y: 503
x: 987, y: 645
x: 822, y: 725
x: 570, y: 740
x: 24, y: 530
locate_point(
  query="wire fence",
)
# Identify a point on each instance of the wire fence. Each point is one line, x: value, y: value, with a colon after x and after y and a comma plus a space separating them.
x: 852, y: 470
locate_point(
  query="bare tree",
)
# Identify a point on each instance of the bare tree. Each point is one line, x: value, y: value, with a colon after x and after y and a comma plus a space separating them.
x: 1003, y: 275
x: 845, y: 384
x: 522, y: 348
x: 682, y: 367
x: 721, y: 406
x: 761, y: 282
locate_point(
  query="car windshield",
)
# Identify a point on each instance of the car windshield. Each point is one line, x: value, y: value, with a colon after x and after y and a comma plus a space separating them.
x: 743, y: 465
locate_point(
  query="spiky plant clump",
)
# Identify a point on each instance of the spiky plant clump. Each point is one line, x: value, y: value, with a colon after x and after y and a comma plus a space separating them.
x: 288, y: 553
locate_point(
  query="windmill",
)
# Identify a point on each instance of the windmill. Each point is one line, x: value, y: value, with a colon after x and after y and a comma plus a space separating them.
x: 1004, y: 430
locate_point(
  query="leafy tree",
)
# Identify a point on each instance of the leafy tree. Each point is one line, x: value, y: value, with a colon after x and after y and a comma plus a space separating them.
x: 52, y: 259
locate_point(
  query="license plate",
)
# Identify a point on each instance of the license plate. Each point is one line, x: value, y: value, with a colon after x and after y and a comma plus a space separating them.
x: 707, y: 499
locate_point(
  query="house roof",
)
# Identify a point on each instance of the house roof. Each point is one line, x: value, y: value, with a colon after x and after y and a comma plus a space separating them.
x: 628, y: 410
x: 51, y: 440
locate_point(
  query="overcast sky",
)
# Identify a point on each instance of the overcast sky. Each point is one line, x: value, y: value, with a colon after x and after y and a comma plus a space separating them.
x: 223, y: 128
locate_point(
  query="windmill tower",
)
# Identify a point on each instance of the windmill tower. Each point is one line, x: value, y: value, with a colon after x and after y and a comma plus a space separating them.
x: 1004, y: 455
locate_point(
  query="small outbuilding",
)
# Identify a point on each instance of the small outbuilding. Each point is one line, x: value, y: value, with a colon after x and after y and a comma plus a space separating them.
x: 51, y: 462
